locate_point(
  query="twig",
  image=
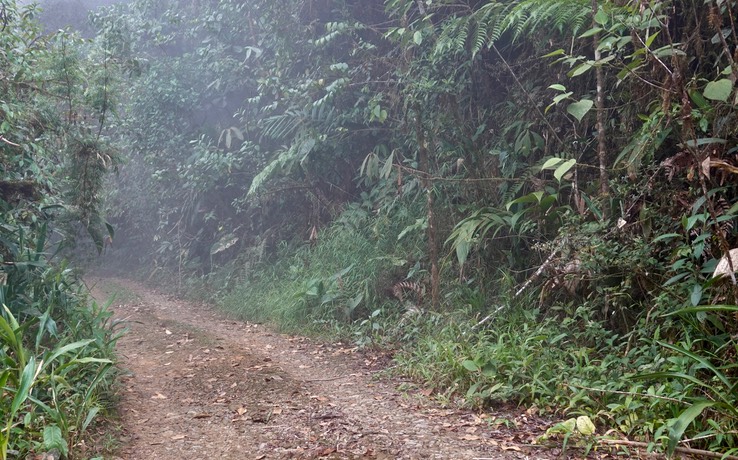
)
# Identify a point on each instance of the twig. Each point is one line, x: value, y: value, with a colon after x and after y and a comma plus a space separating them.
x: 683, y: 450
x: 542, y: 268
x: 488, y: 317
x: 530, y: 280
x: 8, y: 142
x: 628, y: 393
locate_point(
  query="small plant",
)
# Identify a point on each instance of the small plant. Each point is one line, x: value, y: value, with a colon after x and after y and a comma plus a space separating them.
x: 61, y: 381
x: 581, y: 430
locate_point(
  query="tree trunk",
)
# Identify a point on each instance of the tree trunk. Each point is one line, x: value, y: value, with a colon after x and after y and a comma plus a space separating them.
x: 424, y: 164
x: 601, y: 120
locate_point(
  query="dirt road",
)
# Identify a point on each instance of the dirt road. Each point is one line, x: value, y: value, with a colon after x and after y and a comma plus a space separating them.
x: 205, y: 387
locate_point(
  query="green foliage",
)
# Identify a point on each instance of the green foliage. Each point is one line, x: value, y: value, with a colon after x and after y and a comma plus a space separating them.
x: 582, y: 153
x: 56, y: 353
x: 320, y: 283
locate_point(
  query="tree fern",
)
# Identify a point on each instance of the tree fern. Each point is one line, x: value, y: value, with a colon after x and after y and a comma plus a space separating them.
x: 485, y: 26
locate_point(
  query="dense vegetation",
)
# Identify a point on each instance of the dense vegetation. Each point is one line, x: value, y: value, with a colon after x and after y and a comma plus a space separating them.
x: 526, y: 199
x: 56, y: 352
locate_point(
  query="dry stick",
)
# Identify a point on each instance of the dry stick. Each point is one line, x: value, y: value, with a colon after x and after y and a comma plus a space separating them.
x: 9, y: 142
x: 726, y: 49
x: 530, y: 280
x: 682, y: 450
x: 541, y: 269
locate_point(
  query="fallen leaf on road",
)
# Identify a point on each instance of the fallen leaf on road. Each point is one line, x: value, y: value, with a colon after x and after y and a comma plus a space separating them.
x: 159, y: 396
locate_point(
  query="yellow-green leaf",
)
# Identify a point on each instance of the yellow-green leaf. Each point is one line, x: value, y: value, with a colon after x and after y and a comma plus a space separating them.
x: 585, y: 425
x: 579, y: 109
x: 718, y: 90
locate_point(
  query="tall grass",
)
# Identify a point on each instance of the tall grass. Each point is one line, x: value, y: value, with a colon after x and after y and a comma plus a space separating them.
x: 57, y: 355
x: 343, y: 277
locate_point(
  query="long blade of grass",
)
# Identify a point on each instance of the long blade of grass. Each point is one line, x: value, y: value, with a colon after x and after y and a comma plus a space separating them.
x: 685, y: 419
x: 704, y: 308
x: 24, y: 388
x: 704, y: 362
x: 66, y: 349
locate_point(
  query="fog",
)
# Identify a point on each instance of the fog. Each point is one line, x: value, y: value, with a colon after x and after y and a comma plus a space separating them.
x: 59, y: 14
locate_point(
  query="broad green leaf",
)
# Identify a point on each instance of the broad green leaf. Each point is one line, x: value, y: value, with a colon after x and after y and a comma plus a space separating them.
x: 53, y: 439
x: 418, y: 38
x: 706, y: 364
x: 24, y: 387
x: 705, y: 308
x: 66, y: 349
x: 705, y: 141
x: 387, y: 168
x: 558, y: 52
x: 470, y: 365
x: 557, y: 87
x: 580, y: 69
x: 651, y: 38
x: 696, y: 295
x: 564, y: 168
x: 718, y: 90
x: 89, y: 360
x: 629, y: 68
x: 590, y: 32
x: 552, y: 163
x: 666, y: 236
x: 685, y: 419
x: 579, y: 109
x: 533, y: 197
x: 601, y: 17
x: 462, y: 251
x: 90, y: 417
x: 560, y: 97
x: 585, y: 425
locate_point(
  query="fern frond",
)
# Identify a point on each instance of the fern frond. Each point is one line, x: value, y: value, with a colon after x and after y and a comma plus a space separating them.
x: 283, y: 161
x: 526, y: 18
x: 479, y: 39
x: 281, y: 126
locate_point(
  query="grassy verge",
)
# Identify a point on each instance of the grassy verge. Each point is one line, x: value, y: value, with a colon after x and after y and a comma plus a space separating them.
x: 58, y: 373
x: 661, y: 382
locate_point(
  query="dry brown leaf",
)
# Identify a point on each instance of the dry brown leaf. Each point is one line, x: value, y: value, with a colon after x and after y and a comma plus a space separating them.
x: 508, y: 447
x: 158, y: 396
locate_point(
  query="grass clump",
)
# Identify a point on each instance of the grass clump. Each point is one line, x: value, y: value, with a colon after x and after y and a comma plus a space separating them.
x: 344, y: 277
x: 58, y: 363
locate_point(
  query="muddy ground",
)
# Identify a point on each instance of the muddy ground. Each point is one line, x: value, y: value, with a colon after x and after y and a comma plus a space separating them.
x: 200, y: 385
